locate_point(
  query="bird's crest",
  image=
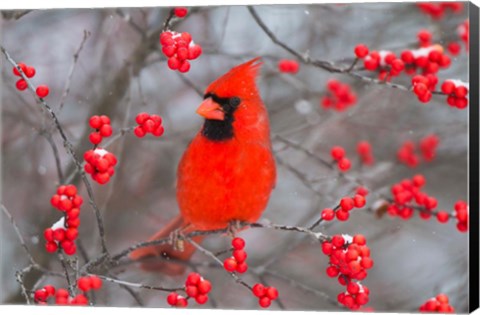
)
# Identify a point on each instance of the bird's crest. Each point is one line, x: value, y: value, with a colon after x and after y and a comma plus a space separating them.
x: 239, y: 81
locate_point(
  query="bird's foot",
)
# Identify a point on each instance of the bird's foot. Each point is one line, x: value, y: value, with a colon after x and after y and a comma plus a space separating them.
x: 176, y: 240
x: 233, y: 227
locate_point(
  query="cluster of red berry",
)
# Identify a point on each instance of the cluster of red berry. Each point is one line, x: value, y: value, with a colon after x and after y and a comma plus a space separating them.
x: 62, y: 297
x: 100, y: 164
x: 89, y: 283
x: 102, y: 127
x: 407, y: 194
x: 264, y: 294
x: 364, y: 150
x: 180, y: 12
x: 457, y: 92
x: 437, y: 10
x: 288, y: 66
x: 355, y: 296
x: 428, y: 147
x: 423, y: 85
x: 339, y: 96
x: 346, y: 204
x: 179, y: 48
x: 196, y: 287
x: 438, y: 304
x: 64, y: 233
x: 237, y: 262
x: 425, y: 60
x: 148, y: 124
x: 42, y: 90
x: 462, y: 215
x: 386, y: 62
x: 349, y: 260
x: 338, y: 154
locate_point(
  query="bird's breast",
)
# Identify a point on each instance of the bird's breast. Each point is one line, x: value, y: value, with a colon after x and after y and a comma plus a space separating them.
x: 222, y: 181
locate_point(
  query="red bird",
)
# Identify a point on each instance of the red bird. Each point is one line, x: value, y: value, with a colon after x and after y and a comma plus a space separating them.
x: 227, y: 172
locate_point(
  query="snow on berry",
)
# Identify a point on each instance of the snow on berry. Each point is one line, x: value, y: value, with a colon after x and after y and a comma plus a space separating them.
x: 176, y: 300
x: 339, y: 96
x: 64, y: 232
x: 100, y: 165
x: 102, y: 126
x: 179, y: 48
x: 288, y: 66
x: 148, y: 123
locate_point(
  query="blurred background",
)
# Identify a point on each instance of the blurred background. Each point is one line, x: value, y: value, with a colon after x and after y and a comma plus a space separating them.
x: 121, y: 72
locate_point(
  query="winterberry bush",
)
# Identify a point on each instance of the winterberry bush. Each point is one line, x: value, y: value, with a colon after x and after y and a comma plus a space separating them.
x: 369, y: 129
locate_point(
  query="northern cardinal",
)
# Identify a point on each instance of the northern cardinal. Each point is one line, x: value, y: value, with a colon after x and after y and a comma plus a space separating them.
x: 228, y: 170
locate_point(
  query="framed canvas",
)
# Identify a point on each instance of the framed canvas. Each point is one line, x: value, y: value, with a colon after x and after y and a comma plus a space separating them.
x: 289, y: 157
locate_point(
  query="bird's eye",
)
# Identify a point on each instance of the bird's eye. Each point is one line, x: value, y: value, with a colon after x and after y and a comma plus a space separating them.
x: 234, y: 101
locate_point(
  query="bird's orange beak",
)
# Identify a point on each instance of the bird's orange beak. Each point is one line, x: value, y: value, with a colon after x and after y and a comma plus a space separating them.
x: 210, y: 110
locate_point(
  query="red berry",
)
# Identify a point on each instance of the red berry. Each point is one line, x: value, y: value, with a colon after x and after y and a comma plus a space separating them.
x: 361, y: 51
x: 40, y: 295
x: 230, y: 264
x: 51, y: 247
x: 204, y: 287
x: 50, y: 289
x: 265, y: 302
x: 240, y: 255
x: 328, y: 214
x: 332, y: 271
x: 180, y: 12
x: 347, y: 203
x: 342, y: 215
x: 193, y: 279
x: 359, y: 201
x: 42, y: 91
x: 242, y: 267
x: 30, y: 72
x: 442, y: 216
x: 95, y: 282
x: 337, y: 153
x: 22, y: 66
x: 201, y: 298
x: 21, y: 85
x: 184, y: 66
x: 271, y: 293
x: 84, y: 284
x: 238, y: 243
x: 172, y: 299
x: 338, y: 241
x: 344, y: 164
x: 258, y: 290
x: 95, y: 138
x: 359, y: 239
x: 191, y: 291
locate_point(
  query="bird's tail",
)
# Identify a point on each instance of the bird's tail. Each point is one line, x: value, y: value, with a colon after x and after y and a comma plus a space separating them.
x: 166, y: 252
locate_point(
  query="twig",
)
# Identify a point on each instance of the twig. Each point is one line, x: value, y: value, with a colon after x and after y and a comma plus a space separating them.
x: 49, y: 138
x: 128, y: 19
x: 137, y: 285
x: 218, y: 261
x: 66, y: 89
x: 19, y: 235
x: 68, y: 147
x: 325, y: 65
